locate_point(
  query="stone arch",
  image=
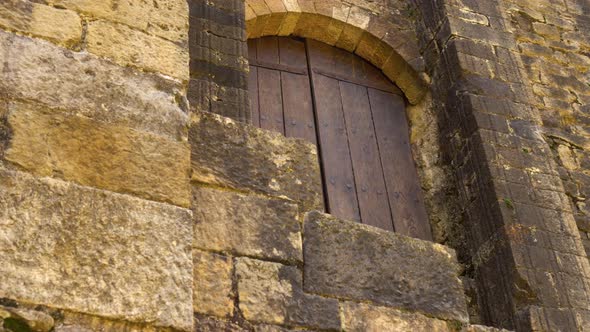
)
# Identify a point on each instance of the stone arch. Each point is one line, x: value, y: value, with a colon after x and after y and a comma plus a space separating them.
x: 376, y: 39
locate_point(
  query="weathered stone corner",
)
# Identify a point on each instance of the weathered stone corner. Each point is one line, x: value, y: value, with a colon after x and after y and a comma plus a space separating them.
x: 348, y: 260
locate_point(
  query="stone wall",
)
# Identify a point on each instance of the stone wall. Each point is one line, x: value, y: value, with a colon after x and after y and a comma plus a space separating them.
x: 521, y: 229
x: 95, y: 161
x: 555, y: 57
x: 127, y: 204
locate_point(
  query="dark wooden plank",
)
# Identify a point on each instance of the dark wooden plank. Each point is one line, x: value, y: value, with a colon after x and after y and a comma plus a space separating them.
x: 270, y: 100
x: 404, y: 191
x: 252, y: 45
x: 268, y: 50
x: 298, y: 107
x: 368, y: 172
x: 253, y: 92
x: 335, y: 154
x: 292, y: 53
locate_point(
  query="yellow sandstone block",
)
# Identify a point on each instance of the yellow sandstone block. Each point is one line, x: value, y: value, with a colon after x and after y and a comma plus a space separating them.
x: 60, y: 26
x: 128, y: 47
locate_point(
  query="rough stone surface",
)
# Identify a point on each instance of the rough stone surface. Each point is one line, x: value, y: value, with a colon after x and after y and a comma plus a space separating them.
x: 360, y: 317
x: 355, y: 261
x: 36, y: 321
x: 50, y: 142
x: 247, y: 225
x: 211, y: 324
x: 128, y: 47
x: 271, y: 293
x: 40, y: 71
x: 95, y: 252
x: 164, y: 18
x: 57, y: 25
x: 228, y: 153
x: 212, y: 284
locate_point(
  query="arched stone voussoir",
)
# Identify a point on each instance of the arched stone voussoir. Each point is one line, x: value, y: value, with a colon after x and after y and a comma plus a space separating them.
x: 351, y: 28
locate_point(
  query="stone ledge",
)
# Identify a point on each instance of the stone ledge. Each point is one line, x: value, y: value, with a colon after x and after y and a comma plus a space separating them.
x: 231, y: 154
x: 40, y: 71
x: 95, y: 252
x: 353, y: 261
x: 246, y: 225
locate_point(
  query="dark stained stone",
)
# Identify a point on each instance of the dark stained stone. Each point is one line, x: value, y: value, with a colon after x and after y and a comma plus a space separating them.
x: 354, y: 261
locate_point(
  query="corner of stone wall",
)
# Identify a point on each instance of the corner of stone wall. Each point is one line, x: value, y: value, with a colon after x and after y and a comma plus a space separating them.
x: 94, y: 168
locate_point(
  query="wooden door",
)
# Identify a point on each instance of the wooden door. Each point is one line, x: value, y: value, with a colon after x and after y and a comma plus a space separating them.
x: 356, y: 116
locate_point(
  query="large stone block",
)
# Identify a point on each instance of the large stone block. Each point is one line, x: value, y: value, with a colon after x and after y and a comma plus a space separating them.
x: 57, y: 25
x: 40, y: 71
x: 212, y: 284
x: 271, y: 293
x: 51, y: 142
x: 164, y: 18
x: 360, y: 317
x: 232, y: 154
x: 128, y: 47
x: 354, y: 261
x: 96, y: 252
x: 246, y: 225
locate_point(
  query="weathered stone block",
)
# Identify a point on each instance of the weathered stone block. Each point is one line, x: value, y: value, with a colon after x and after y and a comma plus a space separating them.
x: 164, y: 18
x: 368, y: 318
x: 246, y: 224
x: 95, y: 252
x: 271, y: 293
x: 354, y: 261
x: 57, y: 25
x: 128, y: 47
x: 98, y: 89
x: 51, y: 142
x: 212, y: 284
x: 232, y: 154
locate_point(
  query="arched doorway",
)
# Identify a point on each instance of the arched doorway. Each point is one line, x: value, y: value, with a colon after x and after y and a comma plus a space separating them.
x: 355, y: 115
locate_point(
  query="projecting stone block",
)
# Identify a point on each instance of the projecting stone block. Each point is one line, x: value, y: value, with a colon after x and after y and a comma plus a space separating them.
x: 246, y: 225
x: 52, y: 142
x: 271, y: 293
x: 58, y: 25
x: 40, y: 71
x: 232, y: 154
x: 212, y: 284
x: 354, y: 261
x: 91, y: 251
x: 126, y: 46
x: 360, y: 317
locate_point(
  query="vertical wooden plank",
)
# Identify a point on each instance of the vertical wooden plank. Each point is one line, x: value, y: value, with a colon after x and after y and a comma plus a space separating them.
x: 337, y: 164
x: 252, y: 49
x: 404, y: 191
x: 253, y: 92
x: 268, y: 50
x: 298, y: 107
x: 270, y: 100
x: 292, y: 53
x: 368, y: 172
